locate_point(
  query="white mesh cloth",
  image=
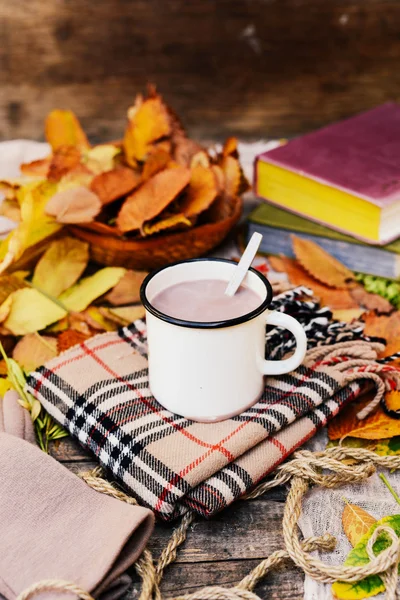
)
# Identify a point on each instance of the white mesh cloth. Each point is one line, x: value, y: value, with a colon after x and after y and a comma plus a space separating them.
x: 322, y: 513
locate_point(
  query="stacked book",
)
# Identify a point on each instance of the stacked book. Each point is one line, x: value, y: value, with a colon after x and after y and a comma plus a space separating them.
x: 339, y: 187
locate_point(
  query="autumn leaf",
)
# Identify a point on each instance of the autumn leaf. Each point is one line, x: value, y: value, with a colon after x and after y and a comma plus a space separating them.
x: 356, y: 522
x: 76, y: 204
x: 82, y: 294
x: 36, y: 168
x: 387, y: 327
x: 184, y: 149
x: 368, y: 300
x: 358, y: 556
x: 200, y: 159
x: 321, y: 265
x: 201, y: 192
x: 335, y: 299
x: 31, y: 311
x: 10, y: 209
x: 127, y: 290
x: 96, y: 320
x: 376, y: 426
x: 150, y: 199
x: 34, y: 350
x: 114, y: 184
x: 62, y: 128
x: 392, y: 400
x: 348, y: 315
x: 123, y: 315
x: 69, y: 338
x: 157, y: 161
x: 5, y: 386
x: 100, y: 158
x: 230, y: 147
x: 148, y: 122
x: 9, y: 284
x: 64, y: 160
x: 61, y: 265
x: 168, y: 223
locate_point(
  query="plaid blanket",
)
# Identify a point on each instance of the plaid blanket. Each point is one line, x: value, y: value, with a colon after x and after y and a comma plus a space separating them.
x: 99, y: 391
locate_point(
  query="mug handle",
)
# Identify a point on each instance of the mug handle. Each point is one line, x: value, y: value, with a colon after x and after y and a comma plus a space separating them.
x: 279, y: 367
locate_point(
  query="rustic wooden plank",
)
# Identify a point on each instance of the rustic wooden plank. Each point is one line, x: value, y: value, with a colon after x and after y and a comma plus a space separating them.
x: 254, y: 68
x: 286, y: 583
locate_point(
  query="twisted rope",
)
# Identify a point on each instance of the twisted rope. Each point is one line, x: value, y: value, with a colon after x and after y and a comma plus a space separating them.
x: 304, y: 469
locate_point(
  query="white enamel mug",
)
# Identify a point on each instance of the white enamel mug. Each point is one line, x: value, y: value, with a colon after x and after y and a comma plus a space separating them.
x: 215, y: 370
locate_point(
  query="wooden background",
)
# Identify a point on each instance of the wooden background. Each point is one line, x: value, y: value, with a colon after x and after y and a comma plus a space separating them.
x: 253, y: 68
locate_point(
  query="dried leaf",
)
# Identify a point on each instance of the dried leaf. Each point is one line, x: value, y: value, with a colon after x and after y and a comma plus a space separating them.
x: 31, y: 311
x: 62, y: 128
x: 320, y: 264
x: 126, y: 314
x: 387, y: 327
x: 68, y: 339
x: 370, y: 301
x: 64, y: 160
x: 335, y: 299
x: 277, y: 264
x: 61, y: 265
x: 36, y: 168
x: 74, y: 205
x: 10, y: 208
x: 127, y: 290
x: 171, y: 222
x: 96, y: 320
x: 230, y: 147
x: 114, y: 184
x: 101, y: 158
x: 200, y: 159
x: 356, y: 523
x: 375, y: 427
x: 184, y: 149
x: 157, y: 161
x: 201, y: 192
x: 392, y: 400
x: 348, y: 315
x: 148, y: 122
x: 9, y: 284
x: 232, y: 175
x: 82, y: 294
x: 151, y: 198
x: 34, y: 350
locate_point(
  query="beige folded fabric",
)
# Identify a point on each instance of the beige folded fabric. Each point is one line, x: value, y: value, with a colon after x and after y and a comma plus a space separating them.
x: 54, y: 526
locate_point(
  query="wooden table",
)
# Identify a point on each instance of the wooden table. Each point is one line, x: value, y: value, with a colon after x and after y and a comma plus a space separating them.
x: 220, y: 551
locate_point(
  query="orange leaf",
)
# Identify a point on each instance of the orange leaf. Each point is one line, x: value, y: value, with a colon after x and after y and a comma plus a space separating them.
x: 230, y: 147
x: 356, y: 523
x: 277, y: 264
x: 185, y: 150
x: 148, y: 122
x: 392, y: 400
x: 320, y: 264
x: 387, y: 327
x: 127, y: 290
x: 201, y: 192
x: 376, y: 426
x: 64, y: 160
x: 114, y: 184
x: 151, y: 198
x: 370, y: 301
x: 157, y: 161
x: 36, y: 168
x: 335, y: 299
x: 74, y: 205
x: 70, y: 338
x: 232, y: 173
x: 62, y: 128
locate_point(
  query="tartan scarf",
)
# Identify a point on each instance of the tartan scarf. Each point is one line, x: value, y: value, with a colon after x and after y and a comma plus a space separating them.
x: 99, y: 392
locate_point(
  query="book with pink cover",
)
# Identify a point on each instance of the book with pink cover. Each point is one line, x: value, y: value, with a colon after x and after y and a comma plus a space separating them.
x: 360, y: 156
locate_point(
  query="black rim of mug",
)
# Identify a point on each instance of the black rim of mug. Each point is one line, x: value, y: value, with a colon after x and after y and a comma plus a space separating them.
x: 206, y: 324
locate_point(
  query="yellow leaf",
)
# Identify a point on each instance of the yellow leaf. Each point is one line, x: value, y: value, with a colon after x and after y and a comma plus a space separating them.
x: 62, y: 128
x: 83, y: 293
x: 96, y: 320
x: 5, y: 385
x: 167, y: 223
x: 347, y: 315
x: 148, y: 122
x: 5, y: 308
x: 31, y: 311
x: 320, y: 264
x: 127, y: 290
x: 101, y: 158
x: 9, y: 284
x: 356, y: 523
x: 128, y: 313
x: 61, y: 265
x: 34, y: 350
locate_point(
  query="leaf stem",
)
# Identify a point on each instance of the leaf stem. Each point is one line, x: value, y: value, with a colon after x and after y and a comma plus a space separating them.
x: 389, y: 487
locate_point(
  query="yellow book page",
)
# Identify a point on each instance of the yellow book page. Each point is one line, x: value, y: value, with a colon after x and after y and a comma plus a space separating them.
x: 318, y: 201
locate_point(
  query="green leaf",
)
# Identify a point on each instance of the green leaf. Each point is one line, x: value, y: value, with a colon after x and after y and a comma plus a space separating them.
x: 372, y: 585
x: 79, y: 296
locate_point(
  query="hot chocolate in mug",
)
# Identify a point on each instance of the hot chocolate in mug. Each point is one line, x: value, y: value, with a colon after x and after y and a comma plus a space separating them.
x: 210, y: 370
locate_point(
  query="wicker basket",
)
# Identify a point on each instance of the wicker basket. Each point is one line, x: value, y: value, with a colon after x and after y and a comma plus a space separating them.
x: 153, y: 252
